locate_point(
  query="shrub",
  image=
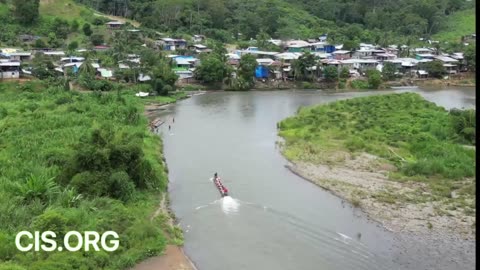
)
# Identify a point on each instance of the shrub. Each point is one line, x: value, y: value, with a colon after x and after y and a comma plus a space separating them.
x: 98, y: 21
x: 435, y: 68
x: 121, y: 186
x: 96, y: 39
x: 92, y: 184
x: 166, y: 88
x: 354, y: 144
x: 73, y: 45
x: 87, y: 30
x: 7, y: 248
x: 51, y: 220
x: 39, y: 187
x: 307, y: 85
x: 344, y: 73
x: 388, y: 71
x: 374, y: 78
x: 359, y: 84
x: 330, y: 73
x: 39, y: 43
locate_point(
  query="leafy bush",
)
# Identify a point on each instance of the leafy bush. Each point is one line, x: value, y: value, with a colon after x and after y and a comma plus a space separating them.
x: 359, y: 84
x: 435, y: 68
x: 354, y: 144
x: 330, y: 73
x: 344, y: 73
x: 388, y: 71
x: 87, y: 30
x: 51, y: 221
x: 307, y: 85
x: 374, y: 78
x: 464, y: 124
x: 121, y: 186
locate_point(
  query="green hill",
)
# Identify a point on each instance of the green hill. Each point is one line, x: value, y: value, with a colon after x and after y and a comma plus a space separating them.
x: 458, y: 24
x: 59, y: 23
x: 65, y: 9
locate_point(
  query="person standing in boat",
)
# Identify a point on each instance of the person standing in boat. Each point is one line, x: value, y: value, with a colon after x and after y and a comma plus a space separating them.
x: 215, y: 176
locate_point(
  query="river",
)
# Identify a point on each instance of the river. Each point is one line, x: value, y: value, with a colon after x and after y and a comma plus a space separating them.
x: 273, y: 219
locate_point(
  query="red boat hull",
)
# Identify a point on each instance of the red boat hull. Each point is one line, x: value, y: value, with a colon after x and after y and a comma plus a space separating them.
x: 223, y: 190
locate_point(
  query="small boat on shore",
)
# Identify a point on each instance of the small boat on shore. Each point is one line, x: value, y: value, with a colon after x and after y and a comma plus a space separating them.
x: 223, y: 190
x: 156, y: 123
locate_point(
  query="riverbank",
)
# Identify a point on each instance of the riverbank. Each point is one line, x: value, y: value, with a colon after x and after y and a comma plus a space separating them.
x: 363, y: 182
x: 173, y: 258
x: 81, y: 162
x: 382, y: 162
x: 467, y: 80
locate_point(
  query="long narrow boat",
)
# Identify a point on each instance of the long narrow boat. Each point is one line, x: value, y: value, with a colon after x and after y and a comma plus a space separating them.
x: 223, y: 190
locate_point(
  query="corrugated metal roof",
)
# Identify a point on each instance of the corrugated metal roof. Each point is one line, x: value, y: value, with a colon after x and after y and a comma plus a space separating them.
x: 9, y: 64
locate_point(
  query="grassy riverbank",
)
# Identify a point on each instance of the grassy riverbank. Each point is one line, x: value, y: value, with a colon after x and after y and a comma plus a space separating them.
x: 412, y: 151
x: 79, y: 161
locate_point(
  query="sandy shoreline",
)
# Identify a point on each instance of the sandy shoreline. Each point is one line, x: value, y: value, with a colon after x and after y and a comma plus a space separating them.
x: 173, y: 259
x: 428, y: 228
x: 359, y: 182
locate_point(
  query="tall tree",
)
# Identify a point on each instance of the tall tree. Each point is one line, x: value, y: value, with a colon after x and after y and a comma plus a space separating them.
x: 26, y: 11
x: 470, y: 57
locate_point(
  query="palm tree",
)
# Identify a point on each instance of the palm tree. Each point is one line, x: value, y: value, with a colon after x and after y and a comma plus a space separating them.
x: 86, y: 68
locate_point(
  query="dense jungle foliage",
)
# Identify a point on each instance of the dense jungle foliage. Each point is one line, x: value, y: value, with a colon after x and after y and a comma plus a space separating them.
x: 368, y: 20
x: 83, y: 162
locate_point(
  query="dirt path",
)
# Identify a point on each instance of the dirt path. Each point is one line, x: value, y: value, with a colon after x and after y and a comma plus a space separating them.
x: 117, y: 18
x: 173, y: 259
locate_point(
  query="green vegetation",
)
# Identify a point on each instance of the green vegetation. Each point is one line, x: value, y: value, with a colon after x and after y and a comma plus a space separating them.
x: 330, y: 73
x: 245, y: 74
x: 388, y: 71
x: 374, y: 78
x: 457, y: 25
x: 435, y: 68
x: 213, y: 67
x: 471, y: 57
x: 425, y: 142
x: 359, y: 84
x: 83, y: 162
x: 302, y: 65
x: 348, y: 21
x: 65, y: 9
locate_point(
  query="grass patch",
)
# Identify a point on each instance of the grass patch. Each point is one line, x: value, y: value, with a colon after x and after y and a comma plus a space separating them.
x: 65, y: 9
x: 458, y: 24
x: 172, y: 97
x: 422, y: 140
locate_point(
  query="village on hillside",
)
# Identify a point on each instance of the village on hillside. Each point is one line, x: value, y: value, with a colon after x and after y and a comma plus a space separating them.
x: 271, y: 65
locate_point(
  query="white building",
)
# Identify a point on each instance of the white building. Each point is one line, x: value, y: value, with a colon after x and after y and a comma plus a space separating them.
x: 9, y: 70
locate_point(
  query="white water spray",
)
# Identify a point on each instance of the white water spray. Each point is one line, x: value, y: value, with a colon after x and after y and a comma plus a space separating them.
x: 229, y: 205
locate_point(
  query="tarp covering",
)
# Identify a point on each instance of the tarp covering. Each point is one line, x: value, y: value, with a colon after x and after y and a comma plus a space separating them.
x: 261, y: 72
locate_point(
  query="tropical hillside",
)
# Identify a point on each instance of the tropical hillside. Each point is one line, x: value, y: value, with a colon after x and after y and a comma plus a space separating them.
x: 367, y: 20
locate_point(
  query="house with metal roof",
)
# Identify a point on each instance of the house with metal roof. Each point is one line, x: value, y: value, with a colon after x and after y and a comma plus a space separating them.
x: 9, y: 70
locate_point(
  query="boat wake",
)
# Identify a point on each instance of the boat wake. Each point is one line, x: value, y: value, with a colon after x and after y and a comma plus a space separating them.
x: 230, y: 205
